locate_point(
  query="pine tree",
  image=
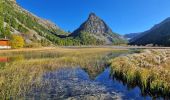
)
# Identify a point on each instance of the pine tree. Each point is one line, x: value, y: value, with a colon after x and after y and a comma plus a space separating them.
x: 7, y: 31
x: 1, y: 18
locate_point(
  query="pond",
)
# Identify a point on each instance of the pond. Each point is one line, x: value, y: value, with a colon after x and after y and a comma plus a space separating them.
x: 71, y: 75
x: 75, y: 83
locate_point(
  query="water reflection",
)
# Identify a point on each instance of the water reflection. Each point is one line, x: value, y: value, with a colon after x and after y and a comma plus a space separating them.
x: 53, y: 75
x: 22, y: 72
x: 75, y: 83
x: 71, y: 83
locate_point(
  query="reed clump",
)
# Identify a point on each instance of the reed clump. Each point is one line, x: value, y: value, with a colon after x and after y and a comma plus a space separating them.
x: 150, y: 70
x: 26, y: 68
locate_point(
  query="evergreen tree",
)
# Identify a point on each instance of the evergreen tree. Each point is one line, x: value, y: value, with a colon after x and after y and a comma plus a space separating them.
x: 7, y: 31
x: 1, y: 25
x: 1, y: 18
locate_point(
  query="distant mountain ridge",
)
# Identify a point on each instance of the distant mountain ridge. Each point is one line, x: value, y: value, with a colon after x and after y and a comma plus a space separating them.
x: 157, y: 35
x: 130, y: 36
x: 97, y: 28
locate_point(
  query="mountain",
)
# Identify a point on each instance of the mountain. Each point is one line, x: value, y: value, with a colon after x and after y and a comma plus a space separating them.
x: 129, y: 36
x: 32, y: 28
x: 157, y: 35
x: 35, y: 30
x: 99, y: 30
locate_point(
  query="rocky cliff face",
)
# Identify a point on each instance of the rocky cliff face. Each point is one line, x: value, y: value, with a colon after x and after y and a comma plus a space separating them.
x: 95, y: 25
x: 99, y: 29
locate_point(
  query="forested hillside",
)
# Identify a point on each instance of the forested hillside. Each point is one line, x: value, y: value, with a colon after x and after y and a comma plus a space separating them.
x: 35, y: 30
x: 15, y: 20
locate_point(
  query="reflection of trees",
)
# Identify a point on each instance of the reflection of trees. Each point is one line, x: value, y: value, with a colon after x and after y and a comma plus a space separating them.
x: 16, y: 58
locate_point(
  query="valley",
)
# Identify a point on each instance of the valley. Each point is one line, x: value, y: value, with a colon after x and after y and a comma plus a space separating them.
x: 40, y: 60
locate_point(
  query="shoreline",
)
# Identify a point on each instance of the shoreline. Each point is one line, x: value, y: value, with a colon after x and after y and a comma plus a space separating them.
x: 77, y: 47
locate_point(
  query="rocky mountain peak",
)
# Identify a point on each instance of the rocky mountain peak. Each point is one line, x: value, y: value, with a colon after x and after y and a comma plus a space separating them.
x: 96, y: 27
x: 92, y: 16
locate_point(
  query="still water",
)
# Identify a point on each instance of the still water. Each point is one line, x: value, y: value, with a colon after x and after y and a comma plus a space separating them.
x: 71, y: 83
x: 75, y: 83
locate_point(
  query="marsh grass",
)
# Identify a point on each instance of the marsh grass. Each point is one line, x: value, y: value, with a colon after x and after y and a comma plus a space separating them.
x: 24, y: 71
x: 150, y: 70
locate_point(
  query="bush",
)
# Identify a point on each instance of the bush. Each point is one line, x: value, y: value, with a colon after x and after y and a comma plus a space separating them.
x: 17, y: 41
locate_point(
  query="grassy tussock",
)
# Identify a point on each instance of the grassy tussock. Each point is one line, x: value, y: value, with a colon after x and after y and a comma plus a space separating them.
x: 149, y: 69
x: 19, y: 76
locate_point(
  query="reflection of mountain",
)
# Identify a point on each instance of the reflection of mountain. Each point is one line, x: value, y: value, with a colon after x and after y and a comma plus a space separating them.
x: 73, y: 83
x: 98, y: 66
x: 25, y: 70
x: 94, y: 71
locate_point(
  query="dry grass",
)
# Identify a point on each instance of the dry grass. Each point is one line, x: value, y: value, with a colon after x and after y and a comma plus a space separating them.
x: 18, y: 76
x: 150, y: 70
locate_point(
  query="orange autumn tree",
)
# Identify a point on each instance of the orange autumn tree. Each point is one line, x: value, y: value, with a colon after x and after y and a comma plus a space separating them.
x: 17, y: 41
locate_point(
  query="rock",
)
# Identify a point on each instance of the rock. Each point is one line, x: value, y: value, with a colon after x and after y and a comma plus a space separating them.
x: 99, y: 29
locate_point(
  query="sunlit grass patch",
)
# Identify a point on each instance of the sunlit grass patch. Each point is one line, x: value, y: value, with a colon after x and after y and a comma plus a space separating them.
x: 149, y: 69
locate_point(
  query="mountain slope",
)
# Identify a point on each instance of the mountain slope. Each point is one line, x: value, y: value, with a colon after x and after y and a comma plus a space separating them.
x: 26, y: 24
x: 98, y: 29
x: 157, y: 35
x: 16, y: 20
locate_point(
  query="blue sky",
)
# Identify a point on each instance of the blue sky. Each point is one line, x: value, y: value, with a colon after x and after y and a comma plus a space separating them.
x: 123, y: 16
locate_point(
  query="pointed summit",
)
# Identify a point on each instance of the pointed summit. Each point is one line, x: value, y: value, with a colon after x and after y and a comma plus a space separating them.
x: 92, y: 16
x: 96, y: 27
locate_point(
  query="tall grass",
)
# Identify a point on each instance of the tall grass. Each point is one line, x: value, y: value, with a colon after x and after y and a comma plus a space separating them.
x: 19, y: 76
x: 150, y: 70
